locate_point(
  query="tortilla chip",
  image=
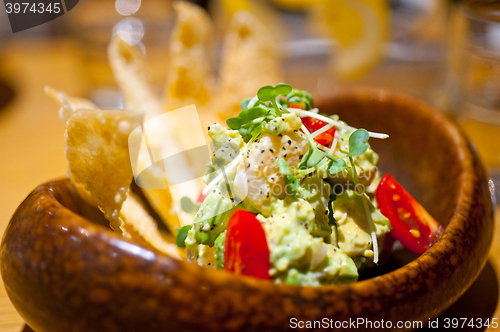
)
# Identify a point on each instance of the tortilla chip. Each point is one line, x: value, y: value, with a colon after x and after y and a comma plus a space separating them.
x: 69, y: 105
x: 128, y: 64
x: 249, y: 61
x: 98, y: 157
x: 170, y: 162
x: 189, y: 79
x: 136, y: 221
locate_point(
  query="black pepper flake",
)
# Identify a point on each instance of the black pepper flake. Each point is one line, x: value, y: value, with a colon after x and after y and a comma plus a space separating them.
x: 280, y: 135
x: 262, y: 151
x: 272, y: 151
x: 272, y: 178
x: 283, y: 148
x: 285, y: 155
x: 248, y: 166
x: 267, y: 196
x: 289, y: 142
x: 282, y: 119
x: 301, y: 156
x: 326, y: 212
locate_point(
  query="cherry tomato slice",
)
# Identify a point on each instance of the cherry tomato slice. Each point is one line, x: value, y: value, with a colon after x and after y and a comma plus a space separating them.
x: 292, y: 105
x: 324, y: 138
x: 313, y: 125
x: 411, y: 224
x: 245, y: 250
x: 201, y: 197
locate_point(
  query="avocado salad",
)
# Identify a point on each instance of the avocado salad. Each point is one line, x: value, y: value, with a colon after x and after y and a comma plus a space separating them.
x: 290, y: 195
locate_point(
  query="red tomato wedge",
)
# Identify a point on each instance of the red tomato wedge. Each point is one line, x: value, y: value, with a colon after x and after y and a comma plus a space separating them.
x: 245, y: 250
x: 411, y: 224
x: 292, y: 105
x: 313, y: 125
x: 201, y: 197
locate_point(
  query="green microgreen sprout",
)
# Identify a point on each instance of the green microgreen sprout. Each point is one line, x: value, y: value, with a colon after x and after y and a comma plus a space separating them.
x: 314, y: 156
x: 248, y: 120
x: 357, y: 146
x: 358, y: 142
x: 292, y: 176
x: 271, y: 93
x: 182, y: 234
x: 188, y: 206
x: 255, y: 113
x: 301, y: 98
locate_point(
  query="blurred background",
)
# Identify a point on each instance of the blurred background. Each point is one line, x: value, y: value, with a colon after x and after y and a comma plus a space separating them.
x: 442, y: 51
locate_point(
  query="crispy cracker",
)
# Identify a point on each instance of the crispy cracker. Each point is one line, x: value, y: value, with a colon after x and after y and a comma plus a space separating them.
x: 249, y: 61
x: 98, y: 156
x: 136, y: 221
x: 189, y: 79
x: 69, y: 105
x: 128, y: 63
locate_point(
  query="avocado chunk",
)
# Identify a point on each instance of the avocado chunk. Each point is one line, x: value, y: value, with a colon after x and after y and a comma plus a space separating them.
x: 212, y: 218
x: 316, y: 192
x: 219, y: 249
x: 353, y: 229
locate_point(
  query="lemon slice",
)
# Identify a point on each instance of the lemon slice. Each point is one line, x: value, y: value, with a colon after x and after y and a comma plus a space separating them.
x: 297, y: 4
x: 233, y: 6
x: 361, y: 28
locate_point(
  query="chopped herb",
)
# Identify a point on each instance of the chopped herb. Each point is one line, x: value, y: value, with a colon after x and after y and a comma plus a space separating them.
x: 188, y: 206
x: 182, y: 234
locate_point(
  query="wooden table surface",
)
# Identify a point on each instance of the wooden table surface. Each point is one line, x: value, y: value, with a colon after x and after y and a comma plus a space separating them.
x: 31, y: 152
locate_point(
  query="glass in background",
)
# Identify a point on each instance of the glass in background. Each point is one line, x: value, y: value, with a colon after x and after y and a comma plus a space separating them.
x: 474, y: 79
x: 92, y: 27
x: 409, y: 56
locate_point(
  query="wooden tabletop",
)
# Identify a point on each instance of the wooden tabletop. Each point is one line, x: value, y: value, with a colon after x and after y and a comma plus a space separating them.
x: 31, y: 152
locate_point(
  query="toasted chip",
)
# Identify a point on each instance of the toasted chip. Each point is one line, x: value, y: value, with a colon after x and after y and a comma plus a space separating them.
x: 69, y: 105
x: 189, y: 79
x: 249, y: 61
x: 98, y: 157
x: 128, y: 64
x: 136, y: 221
x: 169, y: 165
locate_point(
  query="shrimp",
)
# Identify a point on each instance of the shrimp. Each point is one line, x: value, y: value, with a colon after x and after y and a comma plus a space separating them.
x: 258, y: 173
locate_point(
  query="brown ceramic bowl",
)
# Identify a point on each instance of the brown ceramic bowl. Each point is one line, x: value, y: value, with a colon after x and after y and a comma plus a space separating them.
x: 64, y: 272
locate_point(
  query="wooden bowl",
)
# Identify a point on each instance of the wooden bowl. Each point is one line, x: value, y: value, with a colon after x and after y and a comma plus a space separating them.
x: 64, y: 272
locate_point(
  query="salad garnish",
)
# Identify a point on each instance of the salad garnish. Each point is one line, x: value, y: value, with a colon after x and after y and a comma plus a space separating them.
x: 313, y: 232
